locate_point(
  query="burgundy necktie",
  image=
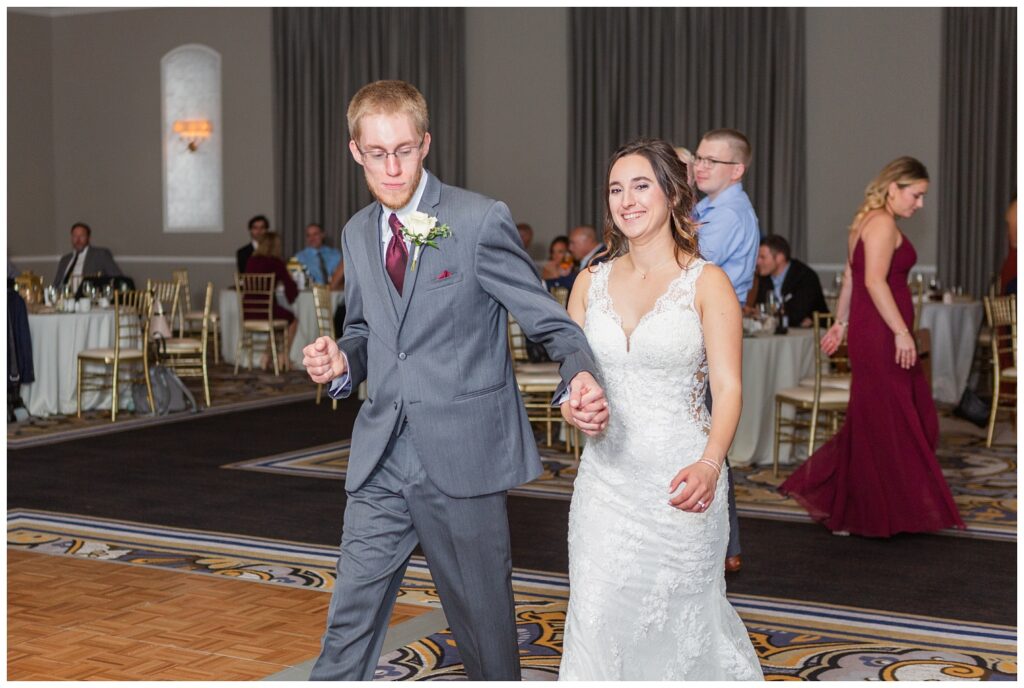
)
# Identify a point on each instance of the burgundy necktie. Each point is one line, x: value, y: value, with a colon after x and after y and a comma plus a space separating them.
x: 398, y: 255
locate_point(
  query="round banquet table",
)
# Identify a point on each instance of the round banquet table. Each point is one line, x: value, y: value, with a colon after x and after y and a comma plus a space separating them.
x: 304, y: 312
x: 770, y: 363
x: 954, y: 334
x: 56, y: 340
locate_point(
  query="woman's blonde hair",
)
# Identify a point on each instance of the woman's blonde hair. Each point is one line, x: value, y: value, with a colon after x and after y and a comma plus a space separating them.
x: 904, y: 170
x: 388, y: 98
x: 269, y: 245
x: 670, y: 173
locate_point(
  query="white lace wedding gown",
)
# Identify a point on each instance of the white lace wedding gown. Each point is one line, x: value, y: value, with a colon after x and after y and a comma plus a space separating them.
x: 647, y: 583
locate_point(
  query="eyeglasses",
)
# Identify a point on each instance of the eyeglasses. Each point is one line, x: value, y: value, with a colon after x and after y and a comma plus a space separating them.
x: 379, y: 158
x: 701, y: 161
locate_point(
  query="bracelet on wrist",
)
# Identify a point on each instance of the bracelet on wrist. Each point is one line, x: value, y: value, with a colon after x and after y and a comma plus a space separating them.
x: 711, y: 462
x: 903, y: 331
x: 842, y: 323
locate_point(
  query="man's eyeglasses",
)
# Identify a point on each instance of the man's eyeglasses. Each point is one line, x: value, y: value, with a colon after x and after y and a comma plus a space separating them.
x: 701, y: 161
x: 379, y: 158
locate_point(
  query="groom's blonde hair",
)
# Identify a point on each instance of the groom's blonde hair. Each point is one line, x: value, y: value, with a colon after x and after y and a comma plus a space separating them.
x: 387, y: 98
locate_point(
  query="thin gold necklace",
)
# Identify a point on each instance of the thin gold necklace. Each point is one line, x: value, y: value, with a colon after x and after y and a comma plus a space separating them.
x: 643, y: 275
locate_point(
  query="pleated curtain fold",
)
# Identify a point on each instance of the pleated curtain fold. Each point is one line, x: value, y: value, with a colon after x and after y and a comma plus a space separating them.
x: 675, y: 73
x: 978, y: 145
x: 322, y: 56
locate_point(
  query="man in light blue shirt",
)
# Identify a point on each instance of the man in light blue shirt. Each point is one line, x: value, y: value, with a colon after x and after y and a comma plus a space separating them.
x: 728, y: 234
x: 319, y: 259
x: 729, y: 237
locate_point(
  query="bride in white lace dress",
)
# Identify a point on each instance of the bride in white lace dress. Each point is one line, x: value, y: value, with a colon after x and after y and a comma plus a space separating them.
x: 648, y: 525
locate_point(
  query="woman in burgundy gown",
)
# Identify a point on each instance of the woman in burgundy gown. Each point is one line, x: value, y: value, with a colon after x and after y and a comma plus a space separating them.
x: 878, y: 475
x: 267, y: 258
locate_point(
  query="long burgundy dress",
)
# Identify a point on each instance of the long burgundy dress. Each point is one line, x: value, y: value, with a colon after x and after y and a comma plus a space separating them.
x: 878, y: 475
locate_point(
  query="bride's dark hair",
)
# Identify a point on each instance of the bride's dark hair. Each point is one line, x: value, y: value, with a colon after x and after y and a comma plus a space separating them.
x: 670, y: 173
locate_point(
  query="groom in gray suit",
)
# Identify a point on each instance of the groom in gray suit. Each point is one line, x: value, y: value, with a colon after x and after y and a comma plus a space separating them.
x: 442, y: 434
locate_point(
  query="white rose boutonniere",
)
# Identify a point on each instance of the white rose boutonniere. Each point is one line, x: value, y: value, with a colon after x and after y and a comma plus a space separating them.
x: 422, y: 230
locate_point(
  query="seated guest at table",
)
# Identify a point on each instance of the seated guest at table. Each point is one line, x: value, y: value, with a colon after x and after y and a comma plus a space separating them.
x: 319, y: 259
x: 794, y: 284
x: 560, y: 270
x: 85, y: 260
x: 1008, y: 273
x: 879, y: 475
x: 585, y: 248
x: 525, y: 235
x: 267, y: 258
x: 258, y: 226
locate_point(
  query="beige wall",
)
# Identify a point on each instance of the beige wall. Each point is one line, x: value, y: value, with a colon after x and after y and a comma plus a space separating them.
x: 30, y: 190
x: 517, y: 95
x: 873, y: 94
x: 106, y: 141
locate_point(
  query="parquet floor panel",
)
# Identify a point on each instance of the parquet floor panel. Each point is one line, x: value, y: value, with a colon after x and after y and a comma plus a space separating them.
x: 74, y: 619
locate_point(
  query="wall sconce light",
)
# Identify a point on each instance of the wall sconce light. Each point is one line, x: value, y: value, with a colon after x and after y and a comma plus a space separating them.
x: 193, y: 131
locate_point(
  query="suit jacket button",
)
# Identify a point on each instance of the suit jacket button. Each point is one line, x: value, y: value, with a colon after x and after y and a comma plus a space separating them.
x: 396, y: 405
x: 401, y: 356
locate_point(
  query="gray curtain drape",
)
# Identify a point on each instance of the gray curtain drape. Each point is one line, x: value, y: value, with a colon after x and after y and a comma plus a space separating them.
x: 322, y: 56
x: 978, y: 152
x: 675, y: 73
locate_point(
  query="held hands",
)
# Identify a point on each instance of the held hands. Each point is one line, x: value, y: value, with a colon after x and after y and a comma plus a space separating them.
x: 323, y: 360
x: 906, y: 350
x: 586, y: 409
x: 832, y: 339
x: 699, y: 481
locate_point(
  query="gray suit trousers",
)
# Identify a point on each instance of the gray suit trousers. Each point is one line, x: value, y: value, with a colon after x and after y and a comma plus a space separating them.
x: 466, y: 543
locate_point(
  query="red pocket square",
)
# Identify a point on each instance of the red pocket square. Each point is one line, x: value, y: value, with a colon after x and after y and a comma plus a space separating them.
x: 444, y: 275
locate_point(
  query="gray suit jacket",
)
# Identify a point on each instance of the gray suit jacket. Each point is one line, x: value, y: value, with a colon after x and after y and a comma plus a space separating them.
x: 97, y: 261
x: 438, y: 355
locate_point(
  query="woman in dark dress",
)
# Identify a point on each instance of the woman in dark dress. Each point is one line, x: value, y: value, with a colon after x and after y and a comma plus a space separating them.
x: 879, y: 474
x: 267, y: 258
x: 560, y: 270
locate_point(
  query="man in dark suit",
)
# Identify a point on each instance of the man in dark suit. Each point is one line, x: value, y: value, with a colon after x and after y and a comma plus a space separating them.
x: 258, y: 226
x: 85, y: 260
x: 796, y: 285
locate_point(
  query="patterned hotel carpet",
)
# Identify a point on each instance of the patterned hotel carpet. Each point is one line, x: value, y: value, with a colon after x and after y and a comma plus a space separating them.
x: 228, y: 392
x: 983, y: 480
x: 795, y: 640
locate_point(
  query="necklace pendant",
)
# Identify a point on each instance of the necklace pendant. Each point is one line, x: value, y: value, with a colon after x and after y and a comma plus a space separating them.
x: 643, y: 275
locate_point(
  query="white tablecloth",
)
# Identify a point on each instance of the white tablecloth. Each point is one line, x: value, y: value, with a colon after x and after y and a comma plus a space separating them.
x: 954, y: 332
x: 56, y: 340
x: 770, y: 363
x: 304, y: 311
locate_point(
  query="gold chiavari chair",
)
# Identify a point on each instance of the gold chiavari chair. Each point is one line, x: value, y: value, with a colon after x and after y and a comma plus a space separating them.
x: 537, y: 384
x: 561, y: 295
x: 193, y: 319
x: 256, y: 317
x: 166, y: 294
x: 187, y: 356
x: 1001, y: 314
x: 324, y: 325
x: 132, y: 311
x: 922, y: 337
x: 814, y: 400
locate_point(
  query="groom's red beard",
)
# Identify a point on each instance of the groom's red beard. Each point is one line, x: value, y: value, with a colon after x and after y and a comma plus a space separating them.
x: 394, y: 199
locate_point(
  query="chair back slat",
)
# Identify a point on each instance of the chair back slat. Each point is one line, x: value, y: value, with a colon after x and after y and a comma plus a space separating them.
x: 322, y: 305
x: 185, y: 294
x: 255, y: 296
x: 836, y: 364
x: 1001, y: 314
x: 132, y: 310
x: 561, y: 295
x: 167, y: 293
x: 517, y: 342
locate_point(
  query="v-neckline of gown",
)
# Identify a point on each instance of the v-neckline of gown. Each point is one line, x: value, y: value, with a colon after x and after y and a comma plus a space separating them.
x: 643, y: 318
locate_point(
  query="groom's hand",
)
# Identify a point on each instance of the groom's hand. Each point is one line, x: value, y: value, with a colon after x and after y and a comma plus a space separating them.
x: 323, y: 360
x: 586, y: 408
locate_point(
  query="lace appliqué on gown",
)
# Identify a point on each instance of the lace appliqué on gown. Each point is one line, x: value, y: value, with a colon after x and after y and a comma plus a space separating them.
x: 647, y: 585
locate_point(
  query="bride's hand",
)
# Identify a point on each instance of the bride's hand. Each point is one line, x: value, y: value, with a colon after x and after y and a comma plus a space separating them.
x: 699, y: 492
